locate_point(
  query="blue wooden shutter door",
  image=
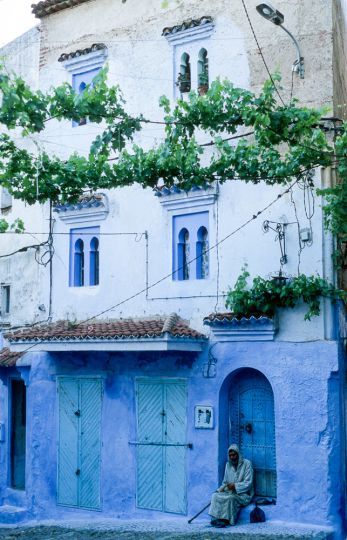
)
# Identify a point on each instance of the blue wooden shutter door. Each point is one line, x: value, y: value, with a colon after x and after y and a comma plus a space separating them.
x: 68, y: 442
x: 175, y: 433
x: 150, y: 457
x: 80, y: 402
x: 91, y: 400
x: 161, y: 425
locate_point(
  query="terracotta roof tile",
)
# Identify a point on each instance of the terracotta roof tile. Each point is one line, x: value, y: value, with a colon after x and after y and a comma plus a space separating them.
x: 8, y: 358
x: 92, y: 200
x: 229, y: 317
x: 81, y: 52
x: 47, y: 7
x: 192, y: 23
x: 112, y: 329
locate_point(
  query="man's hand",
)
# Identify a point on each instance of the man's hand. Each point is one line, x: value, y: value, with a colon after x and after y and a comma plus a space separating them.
x: 231, y: 487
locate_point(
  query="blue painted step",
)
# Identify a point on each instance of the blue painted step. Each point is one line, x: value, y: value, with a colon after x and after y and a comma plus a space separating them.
x: 13, y: 514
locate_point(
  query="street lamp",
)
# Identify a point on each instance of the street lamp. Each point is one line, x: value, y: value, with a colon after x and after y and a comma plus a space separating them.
x: 270, y: 13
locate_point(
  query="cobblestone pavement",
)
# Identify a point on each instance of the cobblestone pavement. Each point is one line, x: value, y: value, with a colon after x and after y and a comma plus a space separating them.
x: 151, y: 532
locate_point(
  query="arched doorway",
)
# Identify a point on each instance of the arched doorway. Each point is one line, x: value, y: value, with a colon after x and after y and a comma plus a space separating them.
x: 252, y: 425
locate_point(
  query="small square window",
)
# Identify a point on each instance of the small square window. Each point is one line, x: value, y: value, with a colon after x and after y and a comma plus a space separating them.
x: 5, y: 200
x: 5, y: 299
x: 84, y: 268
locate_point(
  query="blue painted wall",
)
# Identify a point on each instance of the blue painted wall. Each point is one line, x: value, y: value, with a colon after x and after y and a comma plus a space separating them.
x: 307, y: 412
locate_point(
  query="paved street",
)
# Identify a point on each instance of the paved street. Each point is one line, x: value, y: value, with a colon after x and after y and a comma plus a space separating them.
x: 164, y: 531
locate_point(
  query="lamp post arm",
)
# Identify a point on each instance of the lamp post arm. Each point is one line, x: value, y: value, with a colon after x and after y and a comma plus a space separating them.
x: 299, y: 62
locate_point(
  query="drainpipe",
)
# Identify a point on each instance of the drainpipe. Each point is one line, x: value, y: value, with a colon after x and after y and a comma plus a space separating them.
x: 51, y: 253
x: 328, y: 245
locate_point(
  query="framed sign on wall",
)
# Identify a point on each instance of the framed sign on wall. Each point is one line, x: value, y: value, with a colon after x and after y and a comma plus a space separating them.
x: 203, y: 417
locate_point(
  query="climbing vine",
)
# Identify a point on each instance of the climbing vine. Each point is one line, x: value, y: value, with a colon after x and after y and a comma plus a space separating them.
x: 267, y: 295
x: 279, y: 142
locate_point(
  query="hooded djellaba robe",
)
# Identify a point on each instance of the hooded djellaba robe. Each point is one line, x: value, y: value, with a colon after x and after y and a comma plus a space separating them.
x: 225, y: 504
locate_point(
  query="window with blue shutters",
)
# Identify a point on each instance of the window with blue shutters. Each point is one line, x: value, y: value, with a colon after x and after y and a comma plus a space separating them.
x: 80, y: 81
x: 190, y: 257
x: 84, y: 267
x: 83, y: 66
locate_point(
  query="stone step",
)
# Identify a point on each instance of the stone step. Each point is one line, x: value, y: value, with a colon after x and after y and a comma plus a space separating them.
x: 12, y: 514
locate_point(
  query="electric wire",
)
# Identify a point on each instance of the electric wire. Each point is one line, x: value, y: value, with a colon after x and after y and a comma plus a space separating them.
x: 297, y: 219
x: 217, y: 248
x: 171, y: 274
x: 261, y: 52
x: 209, y: 249
x: 24, y: 249
x: 291, y: 86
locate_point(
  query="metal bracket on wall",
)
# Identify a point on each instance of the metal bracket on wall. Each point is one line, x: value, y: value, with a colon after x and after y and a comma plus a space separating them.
x: 280, y: 229
x: 209, y: 370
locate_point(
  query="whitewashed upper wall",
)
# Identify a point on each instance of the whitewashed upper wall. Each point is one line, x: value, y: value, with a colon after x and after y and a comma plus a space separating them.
x: 140, y: 61
x: 25, y: 276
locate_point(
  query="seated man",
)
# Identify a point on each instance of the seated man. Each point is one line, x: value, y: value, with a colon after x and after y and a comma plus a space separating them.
x: 236, y: 490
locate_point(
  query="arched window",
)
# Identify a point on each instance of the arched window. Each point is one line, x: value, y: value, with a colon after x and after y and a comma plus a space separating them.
x: 202, y: 259
x: 94, y: 262
x: 79, y: 263
x: 184, y: 77
x: 81, y: 89
x: 183, y: 254
x: 203, y: 76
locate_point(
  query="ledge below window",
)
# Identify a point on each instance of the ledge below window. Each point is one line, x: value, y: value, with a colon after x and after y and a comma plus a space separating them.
x: 227, y: 327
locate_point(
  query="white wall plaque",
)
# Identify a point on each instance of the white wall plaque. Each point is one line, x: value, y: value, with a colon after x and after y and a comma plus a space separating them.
x: 204, y: 417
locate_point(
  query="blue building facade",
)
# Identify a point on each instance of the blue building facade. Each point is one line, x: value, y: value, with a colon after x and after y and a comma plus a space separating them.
x: 143, y: 433
x: 131, y: 416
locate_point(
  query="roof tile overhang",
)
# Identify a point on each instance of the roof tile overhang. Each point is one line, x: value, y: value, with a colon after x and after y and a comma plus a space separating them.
x: 230, y: 327
x: 82, y: 52
x: 187, y: 25
x: 230, y: 318
x: 8, y: 358
x: 47, y: 7
x: 155, y: 334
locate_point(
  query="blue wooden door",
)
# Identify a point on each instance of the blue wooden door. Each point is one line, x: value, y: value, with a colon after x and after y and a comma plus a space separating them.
x: 252, y: 426
x: 161, y: 445
x: 150, y: 429
x: 80, y: 402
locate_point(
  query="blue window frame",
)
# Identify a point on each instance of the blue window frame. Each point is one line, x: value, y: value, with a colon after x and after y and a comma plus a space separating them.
x: 190, y: 243
x: 79, y: 84
x: 84, y: 268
